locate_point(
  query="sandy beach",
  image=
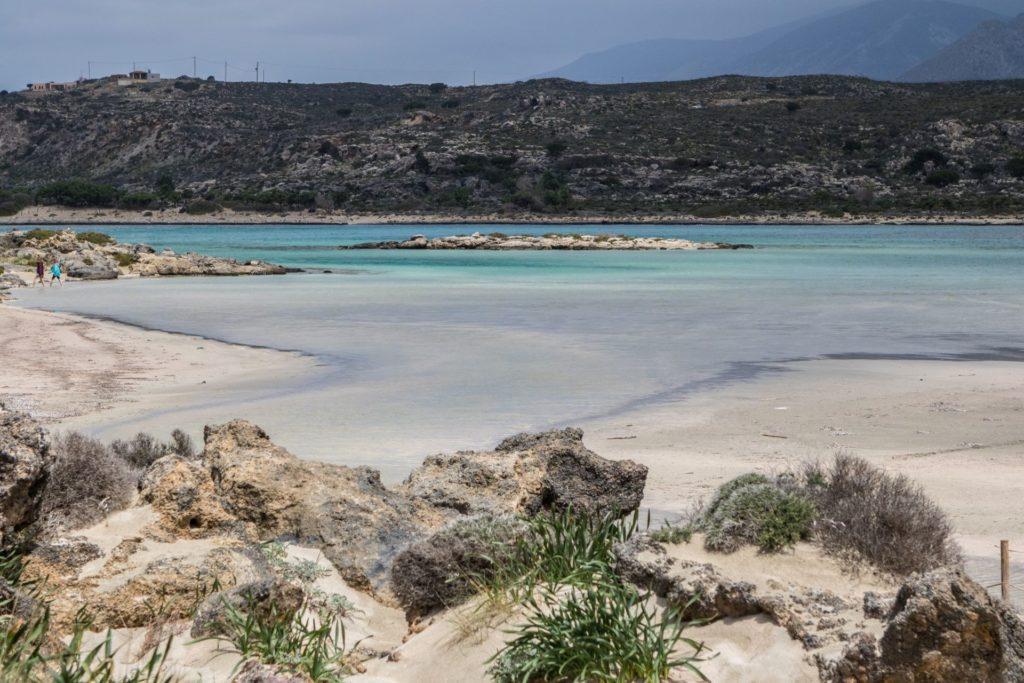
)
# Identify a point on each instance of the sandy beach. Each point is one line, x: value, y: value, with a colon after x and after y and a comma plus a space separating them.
x: 76, y: 373
x: 59, y: 215
x: 954, y: 426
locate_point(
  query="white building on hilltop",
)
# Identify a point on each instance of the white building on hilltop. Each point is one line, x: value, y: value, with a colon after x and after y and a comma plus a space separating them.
x: 138, y: 77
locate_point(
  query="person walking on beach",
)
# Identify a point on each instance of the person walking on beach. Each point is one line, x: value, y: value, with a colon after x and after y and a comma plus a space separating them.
x: 40, y: 271
x: 55, y: 274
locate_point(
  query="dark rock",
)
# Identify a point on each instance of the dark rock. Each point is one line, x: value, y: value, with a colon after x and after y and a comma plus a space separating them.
x: 69, y: 553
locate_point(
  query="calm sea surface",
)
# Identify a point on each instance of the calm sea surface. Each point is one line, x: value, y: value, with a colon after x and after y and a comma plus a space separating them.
x: 422, y: 351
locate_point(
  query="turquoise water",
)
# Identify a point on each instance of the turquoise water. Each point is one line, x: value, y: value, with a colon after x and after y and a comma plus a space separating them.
x: 422, y: 351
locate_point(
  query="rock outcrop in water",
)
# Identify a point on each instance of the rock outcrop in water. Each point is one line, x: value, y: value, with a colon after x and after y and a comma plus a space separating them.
x: 552, y: 241
x: 96, y: 256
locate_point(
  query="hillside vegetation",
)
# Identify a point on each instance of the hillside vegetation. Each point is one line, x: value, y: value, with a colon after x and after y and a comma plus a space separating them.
x: 714, y: 147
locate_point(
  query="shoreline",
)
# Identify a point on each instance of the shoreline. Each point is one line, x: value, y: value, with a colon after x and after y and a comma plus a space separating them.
x: 67, y: 216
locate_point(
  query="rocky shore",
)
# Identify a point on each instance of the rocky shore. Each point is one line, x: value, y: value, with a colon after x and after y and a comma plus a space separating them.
x: 497, y: 241
x: 246, y: 527
x: 97, y: 256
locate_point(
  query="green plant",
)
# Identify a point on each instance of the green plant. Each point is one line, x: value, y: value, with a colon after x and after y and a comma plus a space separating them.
x: 673, y: 534
x: 198, y: 207
x: 922, y: 157
x: 600, y: 632
x: 556, y: 148
x: 98, y: 238
x: 792, y: 106
x: 297, y: 642
x: 78, y: 193
x: 1015, y: 167
x: 414, y: 105
x: 750, y: 509
x: 126, y: 260
x: 40, y: 234
x: 942, y: 177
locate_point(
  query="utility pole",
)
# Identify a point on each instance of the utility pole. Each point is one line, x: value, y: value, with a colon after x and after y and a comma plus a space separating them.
x: 257, y: 72
x: 195, y: 72
x: 225, y: 72
x: 474, y: 78
x: 89, y: 70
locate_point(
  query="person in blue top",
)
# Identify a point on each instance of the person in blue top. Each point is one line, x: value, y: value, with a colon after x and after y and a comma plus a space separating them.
x: 55, y: 274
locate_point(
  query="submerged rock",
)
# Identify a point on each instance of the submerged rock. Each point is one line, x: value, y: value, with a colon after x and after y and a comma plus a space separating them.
x: 502, y: 242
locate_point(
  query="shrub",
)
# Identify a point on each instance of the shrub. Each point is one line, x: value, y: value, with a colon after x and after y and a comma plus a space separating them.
x: 414, y: 105
x: 13, y: 202
x: 867, y: 514
x: 78, y: 193
x: 922, y: 157
x: 186, y: 85
x: 86, y: 482
x: 792, y: 106
x: 756, y: 512
x: 198, y: 207
x: 125, y: 260
x: 343, y: 112
x: 673, y: 534
x: 40, y: 234
x: 138, y: 200
x: 143, y: 449
x: 451, y: 104
x: 437, y: 88
x: 983, y: 169
x: 556, y: 148
x: 420, y: 163
x: 99, y: 238
x: 604, y: 632
x: 1015, y: 167
x: 942, y: 177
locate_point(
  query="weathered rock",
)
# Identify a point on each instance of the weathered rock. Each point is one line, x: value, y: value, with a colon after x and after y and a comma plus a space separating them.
x: 269, y: 598
x: 346, y: 511
x: 183, y: 494
x: 438, y: 572
x: 66, y: 554
x: 528, y: 473
x: 90, y: 265
x: 943, y: 627
x: 501, y: 242
x: 24, y: 455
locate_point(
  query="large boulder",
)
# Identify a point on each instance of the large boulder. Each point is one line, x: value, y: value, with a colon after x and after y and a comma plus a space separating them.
x: 346, y: 511
x: 528, y: 473
x: 942, y: 627
x: 24, y: 457
x: 90, y: 265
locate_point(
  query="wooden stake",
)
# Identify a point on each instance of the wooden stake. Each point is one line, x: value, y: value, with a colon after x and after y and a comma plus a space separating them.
x: 1004, y: 569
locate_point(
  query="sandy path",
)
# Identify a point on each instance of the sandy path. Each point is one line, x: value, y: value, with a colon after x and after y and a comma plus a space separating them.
x: 956, y: 427
x: 72, y: 372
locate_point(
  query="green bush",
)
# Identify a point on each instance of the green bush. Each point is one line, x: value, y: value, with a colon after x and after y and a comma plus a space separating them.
x: 78, y: 193
x: 138, y: 200
x: 673, y: 534
x: 13, y: 202
x: 1015, y: 167
x: 98, y: 238
x: 40, y: 234
x: 437, y: 88
x: 125, y: 260
x: 451, y: 104
x: 756, y: 512
x: 414, y: 105
x: 199, y: 207
x: 943, y: 177
x: 792, y: 106
x: 556, y: 148
x: 922, y: 157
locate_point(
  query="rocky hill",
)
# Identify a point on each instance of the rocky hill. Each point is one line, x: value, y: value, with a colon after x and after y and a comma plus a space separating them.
x: 994, y: 51
x: 713, y: 147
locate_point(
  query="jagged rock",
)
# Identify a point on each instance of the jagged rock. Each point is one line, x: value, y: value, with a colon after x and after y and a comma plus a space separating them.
x: 24, y: 456
x: 269, y: 597
x: 346, y: 511
x: 435, y: 573
x: 90, y: 265
x: 527, y: 473
x: 67, y: 554
x: 942, y: 627
x: 183, y: 494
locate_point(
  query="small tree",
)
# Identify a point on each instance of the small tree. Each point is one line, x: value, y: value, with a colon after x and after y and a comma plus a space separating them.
x: 556, y: 148
x: 1015, y: 167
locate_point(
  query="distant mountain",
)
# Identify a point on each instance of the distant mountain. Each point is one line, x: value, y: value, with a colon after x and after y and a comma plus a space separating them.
x: 995, y: 50
x: 881, y: 40
x: 664, y: 60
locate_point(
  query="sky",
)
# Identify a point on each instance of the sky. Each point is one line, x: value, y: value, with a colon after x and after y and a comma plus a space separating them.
x: 379, y: 41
